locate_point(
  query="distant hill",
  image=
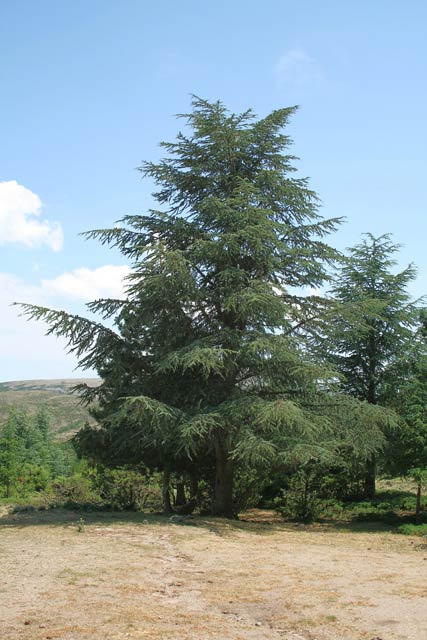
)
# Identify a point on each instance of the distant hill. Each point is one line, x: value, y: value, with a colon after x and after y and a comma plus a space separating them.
x: 59, y: 385
x: 67, y: 415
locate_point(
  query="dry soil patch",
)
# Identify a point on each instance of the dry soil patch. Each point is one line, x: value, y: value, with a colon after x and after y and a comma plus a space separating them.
x: 126, y: 578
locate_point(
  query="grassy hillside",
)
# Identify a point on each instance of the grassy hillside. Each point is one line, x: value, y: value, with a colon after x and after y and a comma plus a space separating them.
x: 67, y: 415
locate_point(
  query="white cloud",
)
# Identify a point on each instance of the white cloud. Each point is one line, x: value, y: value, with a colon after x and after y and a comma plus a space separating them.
x: 88, y: 284
x: 13, y: 288
x: 25, y: 351
x: 297, y: 69
x: 19, y: 222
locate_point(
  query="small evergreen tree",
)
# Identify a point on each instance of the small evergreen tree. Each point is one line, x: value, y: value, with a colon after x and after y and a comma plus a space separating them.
x: 29, y: 456
x: 408, y: 446
x: 370, y: 335
x: 11, y: 455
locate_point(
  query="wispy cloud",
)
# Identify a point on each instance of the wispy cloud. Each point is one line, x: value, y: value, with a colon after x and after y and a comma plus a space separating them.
x: 20, y: 209
x: 76, y: 287
x: 88, y: 284
x: 23, y: 344
x: 81, y: 285
x: 296, y: 69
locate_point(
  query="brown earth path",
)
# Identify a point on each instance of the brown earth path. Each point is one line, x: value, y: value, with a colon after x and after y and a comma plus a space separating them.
x: 139, y: 578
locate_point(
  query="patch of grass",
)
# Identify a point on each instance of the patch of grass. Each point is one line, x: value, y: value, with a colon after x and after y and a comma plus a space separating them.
x: 81, y: 525
x: 394, y: 505
x: 73, y: 577
x: 389, y: 507
x: 413, y: 529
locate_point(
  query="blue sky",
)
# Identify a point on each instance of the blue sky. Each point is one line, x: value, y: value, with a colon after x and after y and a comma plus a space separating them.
x: 89, y: 88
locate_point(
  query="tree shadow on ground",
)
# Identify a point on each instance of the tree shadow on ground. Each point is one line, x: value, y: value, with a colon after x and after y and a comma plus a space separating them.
x: 259, y: 522
x: 60, y: 517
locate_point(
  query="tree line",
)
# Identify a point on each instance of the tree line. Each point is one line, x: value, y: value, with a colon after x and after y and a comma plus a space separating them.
x: 247, y: 348
x: 30, y: 457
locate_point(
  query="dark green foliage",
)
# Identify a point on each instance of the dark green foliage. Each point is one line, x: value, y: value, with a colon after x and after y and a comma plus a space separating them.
x: 11, y: 456
x: 249, y: 483
x: 370, y: 335
x: 317, y: 487
x: 310, y: 495
x: 408, y: 445
x: 76, y: 490
x: 128, y: 490
x: 29, y: 457
x: 302, y: 500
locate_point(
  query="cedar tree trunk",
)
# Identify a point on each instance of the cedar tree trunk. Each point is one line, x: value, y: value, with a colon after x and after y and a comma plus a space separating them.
x: 370, y: 476
x: 418, y: 507
x: 167, y: 507
x: 180, y: 494
x: 223, y: 488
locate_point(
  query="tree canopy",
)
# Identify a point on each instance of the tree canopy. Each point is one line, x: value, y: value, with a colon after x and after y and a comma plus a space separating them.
x: 204, y: 369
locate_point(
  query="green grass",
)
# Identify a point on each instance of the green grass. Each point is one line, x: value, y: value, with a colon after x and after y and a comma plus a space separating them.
x: 392, y: 509
x: 386, y: 503
x: 413, y: 529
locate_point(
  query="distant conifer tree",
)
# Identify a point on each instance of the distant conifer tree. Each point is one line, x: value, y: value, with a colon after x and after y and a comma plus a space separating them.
x: 370, y: 336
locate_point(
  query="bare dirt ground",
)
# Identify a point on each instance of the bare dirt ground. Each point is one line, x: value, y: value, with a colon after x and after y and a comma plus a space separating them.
x: 136, y: 577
